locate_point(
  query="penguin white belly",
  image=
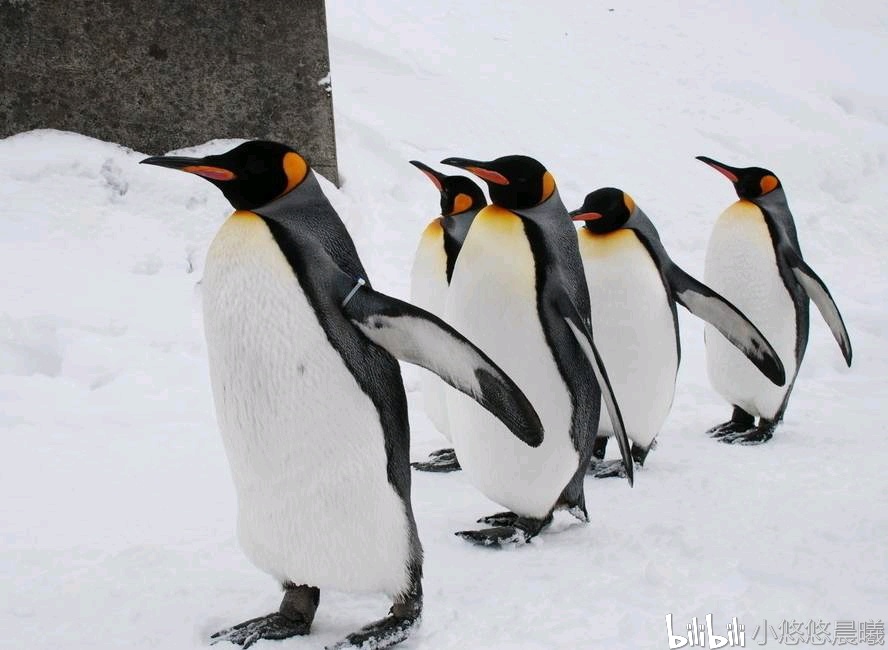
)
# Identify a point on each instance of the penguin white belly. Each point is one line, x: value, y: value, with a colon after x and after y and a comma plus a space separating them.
x: 633, y: 329
x: 428, y: 289
x: 492, y: 301
x: 741, y: 265
x: 304, y: 443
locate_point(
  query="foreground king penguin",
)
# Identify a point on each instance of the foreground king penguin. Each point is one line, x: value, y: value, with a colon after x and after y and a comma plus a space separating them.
x: 461, y: 200
x: 519, y: 292
x: 633, y: 288
x: 309, y: 397
x: 754, y: 260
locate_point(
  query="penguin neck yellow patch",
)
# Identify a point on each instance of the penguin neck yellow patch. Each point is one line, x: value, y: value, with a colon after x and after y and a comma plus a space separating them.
x: 497, y: 212
x: 461, y: 203
x: 498, y: 218
x: 743, y: 212
x: 604, y: 243
x: 296, y: 170
x: 244, y: 214
x: 744, y: 205
x: 433, y: 231
x: 548, y: 186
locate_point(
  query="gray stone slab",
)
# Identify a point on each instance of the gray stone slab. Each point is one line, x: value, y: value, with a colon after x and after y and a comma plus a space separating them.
x: 157, y: 75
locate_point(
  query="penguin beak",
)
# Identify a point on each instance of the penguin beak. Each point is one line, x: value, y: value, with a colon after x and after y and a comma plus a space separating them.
x: 437, y: 178
x: 728, y: 172
x: 579, y: 215
x: 479, y: 169
x: 192, y: 166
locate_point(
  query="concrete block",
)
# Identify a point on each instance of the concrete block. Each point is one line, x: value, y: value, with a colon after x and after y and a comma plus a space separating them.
x: 157, y: 75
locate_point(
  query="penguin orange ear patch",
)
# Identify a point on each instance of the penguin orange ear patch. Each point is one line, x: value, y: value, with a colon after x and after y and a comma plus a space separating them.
x: 769, y: 183
x: 548, y: 186
x: 489, y: 175
x: 295, y: 168
x: 213, y: 173
x: 630, y: 204
x: 461, y: 203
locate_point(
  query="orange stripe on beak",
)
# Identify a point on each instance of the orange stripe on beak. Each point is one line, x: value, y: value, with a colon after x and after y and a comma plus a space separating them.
x: 213, y: 173
x: 488, y: 175
x: 587, y: 216
x: 434, y: 179
x: 724, y: 172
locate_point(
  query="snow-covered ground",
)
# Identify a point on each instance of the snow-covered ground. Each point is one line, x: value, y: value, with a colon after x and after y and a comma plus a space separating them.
x: 116, y: 507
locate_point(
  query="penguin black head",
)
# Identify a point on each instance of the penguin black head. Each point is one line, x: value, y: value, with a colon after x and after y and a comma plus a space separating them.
x: 251, y: 175
x: 605, y: 210
x: 514, y: 182
x: 749, y: 182
x: 458, y: 193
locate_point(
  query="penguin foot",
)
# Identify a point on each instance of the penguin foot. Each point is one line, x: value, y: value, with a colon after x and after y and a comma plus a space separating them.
x: 578, y: 512
x: 384, y: 633
x: 275, y: 626
x: 607, y: 469
x: 497, y: 537
x: 500, y: 519
x: 514, y: 531
x: 389, y: 631
x: 727, y: 429
x: 740, y: 422
x: 293, y: 618
x: 443, y: 460
x: 757, y: 436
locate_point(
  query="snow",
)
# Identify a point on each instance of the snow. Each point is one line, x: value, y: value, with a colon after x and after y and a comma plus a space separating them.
x: 116, y: 506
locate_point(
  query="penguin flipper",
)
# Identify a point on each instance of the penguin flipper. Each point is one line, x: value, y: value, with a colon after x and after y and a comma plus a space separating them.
x: 817, y: 291
x: 583, y: 334
x: 706, y: 304
x: 414, y: 335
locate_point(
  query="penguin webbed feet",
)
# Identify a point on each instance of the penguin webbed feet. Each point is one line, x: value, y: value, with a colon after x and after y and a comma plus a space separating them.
x: 600, y: 468
x: 275, y: 627
x: 607, y: 469
x: 509, y: 530
x: 754, y: 436
x: 388, y: 631
x: 507, y: 518
x: 740, y: 422
x: 293, y: 618
x: 443, y: 460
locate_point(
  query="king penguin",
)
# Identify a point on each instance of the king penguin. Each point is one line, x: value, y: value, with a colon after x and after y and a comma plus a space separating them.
x: 519, y: 289
x: 309, y: 398
x: 754, y: 260
x: 461, y: 199
x: 633, y: 288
